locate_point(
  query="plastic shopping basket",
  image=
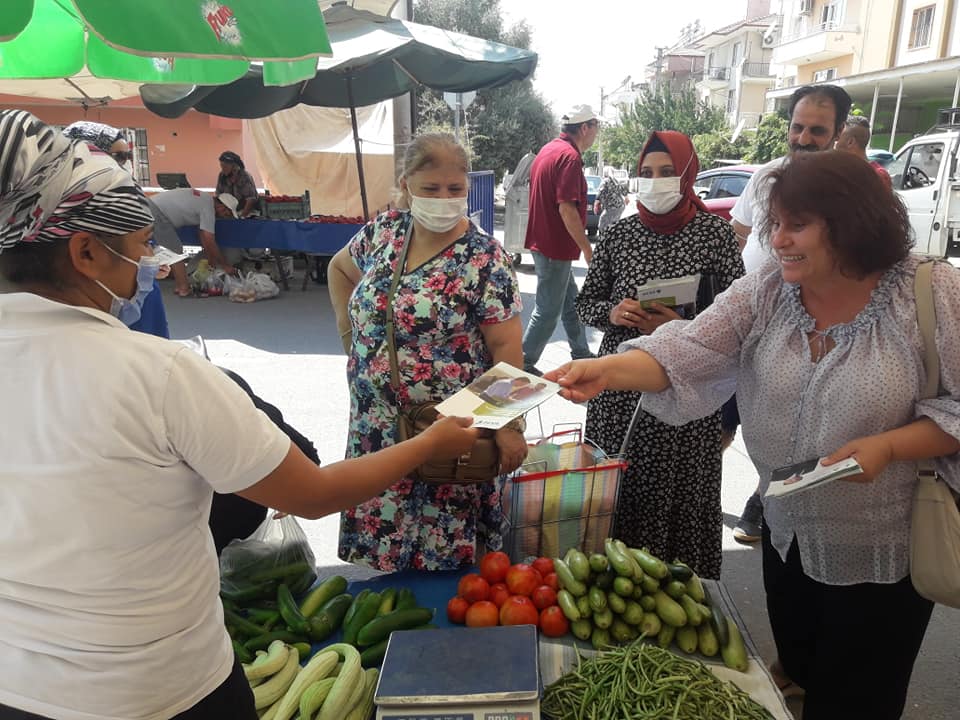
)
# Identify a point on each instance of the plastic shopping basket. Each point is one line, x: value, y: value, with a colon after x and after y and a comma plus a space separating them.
x: 551, y: 511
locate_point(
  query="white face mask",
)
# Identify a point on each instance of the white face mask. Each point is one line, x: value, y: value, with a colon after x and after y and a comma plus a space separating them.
x: 659, y: 195
x: 438, y: 214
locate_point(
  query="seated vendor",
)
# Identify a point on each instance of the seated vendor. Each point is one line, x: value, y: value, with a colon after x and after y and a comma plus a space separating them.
x: 236, y: 181
x: 187, y: 207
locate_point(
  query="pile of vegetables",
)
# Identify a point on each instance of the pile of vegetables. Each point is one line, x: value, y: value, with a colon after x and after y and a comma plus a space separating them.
x: 616, y: 596
x: 643, y: 680
x: 332, y: 686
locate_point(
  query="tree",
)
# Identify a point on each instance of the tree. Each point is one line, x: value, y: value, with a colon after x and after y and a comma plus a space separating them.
x: 771, y: 140
x: 504, y: 123
x: 717, y: 145
x: 658, y: 110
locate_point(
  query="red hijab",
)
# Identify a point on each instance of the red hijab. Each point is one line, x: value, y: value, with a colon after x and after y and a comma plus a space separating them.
x: 684, y: 156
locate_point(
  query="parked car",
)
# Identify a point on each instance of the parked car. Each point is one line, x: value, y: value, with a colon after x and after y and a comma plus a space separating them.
x: 880, y: 156
x: 593, y: 220
x: 719, y: 188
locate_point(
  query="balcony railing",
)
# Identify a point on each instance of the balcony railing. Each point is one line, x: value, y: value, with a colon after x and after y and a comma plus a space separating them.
x: 829, y: 26
x: 716, y: 73
x: 756, y: 69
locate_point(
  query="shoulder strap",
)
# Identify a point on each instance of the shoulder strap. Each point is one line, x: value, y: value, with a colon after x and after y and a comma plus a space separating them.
x: 927, y: 321
x: 391, y: 335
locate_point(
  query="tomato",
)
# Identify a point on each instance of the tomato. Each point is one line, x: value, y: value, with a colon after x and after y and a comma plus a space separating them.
x: 552, y: 582
x: 543, y: 565
x: 522, y: 579
x: 457, y: 610
x: 473, y: 588
x: 518, y: 610
x: 482, y: 614
x: 553, y: 623
x: 499, y: 594
x: 494, y: 566
x: 543, y: 597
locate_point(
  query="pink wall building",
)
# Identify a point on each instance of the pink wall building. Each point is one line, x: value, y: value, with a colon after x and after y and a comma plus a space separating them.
x: 191, y: 144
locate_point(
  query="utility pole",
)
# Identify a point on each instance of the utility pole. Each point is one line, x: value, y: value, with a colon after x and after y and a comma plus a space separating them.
x: 656, y: 81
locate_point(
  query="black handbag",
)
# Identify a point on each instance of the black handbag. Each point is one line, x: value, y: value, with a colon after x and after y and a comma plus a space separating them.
x: 481, y: 464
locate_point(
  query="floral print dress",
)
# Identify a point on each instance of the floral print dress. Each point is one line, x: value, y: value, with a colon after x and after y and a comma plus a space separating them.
x: 439, y: 309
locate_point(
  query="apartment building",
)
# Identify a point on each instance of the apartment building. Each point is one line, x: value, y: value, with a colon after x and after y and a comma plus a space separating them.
x: 736, y: 70
x: 898, y: 59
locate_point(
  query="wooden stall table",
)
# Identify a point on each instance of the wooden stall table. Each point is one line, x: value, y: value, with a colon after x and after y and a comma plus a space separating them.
x: 279, y: 236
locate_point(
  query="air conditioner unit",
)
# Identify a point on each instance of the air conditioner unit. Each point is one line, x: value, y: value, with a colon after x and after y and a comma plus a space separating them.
x: 806, y: 7
x: 769, y: 40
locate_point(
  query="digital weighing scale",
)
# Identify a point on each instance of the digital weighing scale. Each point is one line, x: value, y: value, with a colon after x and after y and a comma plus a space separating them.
x: 486, y: 673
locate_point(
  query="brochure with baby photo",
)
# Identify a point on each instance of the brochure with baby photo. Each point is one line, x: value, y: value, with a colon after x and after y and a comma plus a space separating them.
x: 672, y: 292
x: 803, y: 476
x: 498, y: 396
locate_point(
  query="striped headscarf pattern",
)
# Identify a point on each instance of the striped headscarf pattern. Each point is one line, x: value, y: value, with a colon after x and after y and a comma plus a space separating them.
x: 51, y: 188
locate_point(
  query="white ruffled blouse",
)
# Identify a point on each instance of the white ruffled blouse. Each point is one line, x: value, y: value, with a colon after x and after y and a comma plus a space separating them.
x: 753, y: 340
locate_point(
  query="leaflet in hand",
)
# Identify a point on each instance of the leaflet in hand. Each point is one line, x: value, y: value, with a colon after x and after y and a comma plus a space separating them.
x: 166, y: 256
x: 498, y: 396
x: 671, y: 292
x: 808, y: 474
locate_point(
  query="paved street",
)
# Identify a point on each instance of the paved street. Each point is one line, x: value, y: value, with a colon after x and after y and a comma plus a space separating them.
x: 288, y: 350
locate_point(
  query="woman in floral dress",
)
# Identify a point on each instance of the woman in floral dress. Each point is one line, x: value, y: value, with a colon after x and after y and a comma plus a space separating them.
x: 457, y: 313
x: 670, y: 496
x: 611, y: 199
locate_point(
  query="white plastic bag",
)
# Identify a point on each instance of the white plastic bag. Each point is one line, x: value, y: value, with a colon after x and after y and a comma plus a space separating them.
x: 264, y: 287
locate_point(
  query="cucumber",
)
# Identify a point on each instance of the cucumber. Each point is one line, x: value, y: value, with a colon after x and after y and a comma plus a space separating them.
x: 650, y: 625
x: 734, y: 653
x: 261, y: 642
x: 707, y: 640
x: 242, y: 625
x: 692, y: 610
x: 290, y: 612
x: 406, y: 600
x: 616, y: 603
x: 318, y: 597
x: 567, y: 580
x: 248, y: 593
x: 579, y: 565
x: 649, y: 564
x: 329, y: 618
x: 388, y: 601
x: 380, y: 628
x: 669, y: 610
x: 599, y: 562
x: 568, y: 604
x: 366, y: 612
x: 598, y: 599
x: 243, y: 655
x: 357, y: 601
x: 581, y: 629
x: 686, y: 638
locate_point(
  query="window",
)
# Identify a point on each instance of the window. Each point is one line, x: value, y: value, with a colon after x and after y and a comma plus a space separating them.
x: 921, y: 28
x: 701, y: 186
x: 831, y: 15
x: 824, y: 75
x: 737, y: 53
x: 917, y: 167
x: 140, y: 163
x: 729, y: 186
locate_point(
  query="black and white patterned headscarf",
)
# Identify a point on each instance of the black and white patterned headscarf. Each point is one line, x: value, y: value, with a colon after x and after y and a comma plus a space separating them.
x: 99, y: 134
x: 51, y: 188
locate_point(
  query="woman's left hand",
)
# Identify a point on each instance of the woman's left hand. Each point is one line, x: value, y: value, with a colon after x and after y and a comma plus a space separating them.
x: 873, y: 452
x: 163, y: 271
x: 513, y: 449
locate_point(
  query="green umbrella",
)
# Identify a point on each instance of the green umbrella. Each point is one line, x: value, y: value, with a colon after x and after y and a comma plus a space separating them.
x: 170, y: 41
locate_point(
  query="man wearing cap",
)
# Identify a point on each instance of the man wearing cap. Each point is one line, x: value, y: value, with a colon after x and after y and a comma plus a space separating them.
x: 234, y: 180
x: 556, y: 234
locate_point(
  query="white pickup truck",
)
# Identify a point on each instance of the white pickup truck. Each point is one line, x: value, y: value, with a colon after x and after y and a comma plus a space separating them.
x: 925, y: 174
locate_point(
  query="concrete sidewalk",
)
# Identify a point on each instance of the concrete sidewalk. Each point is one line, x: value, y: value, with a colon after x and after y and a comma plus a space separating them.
x: 288, y: 350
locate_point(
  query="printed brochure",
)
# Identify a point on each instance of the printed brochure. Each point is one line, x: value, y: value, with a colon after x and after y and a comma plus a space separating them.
x: 802, y: 476
x: 498, y: 396
x: 166, y: 256
x: 672, y: 292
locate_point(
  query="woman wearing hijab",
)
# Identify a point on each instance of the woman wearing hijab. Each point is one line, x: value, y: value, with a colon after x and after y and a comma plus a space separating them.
x: 108, y: 575
x: 670, y: 493
x: 234, y: 180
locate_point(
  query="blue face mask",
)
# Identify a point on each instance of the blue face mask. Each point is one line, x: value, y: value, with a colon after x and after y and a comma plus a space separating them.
x: 126, y: 310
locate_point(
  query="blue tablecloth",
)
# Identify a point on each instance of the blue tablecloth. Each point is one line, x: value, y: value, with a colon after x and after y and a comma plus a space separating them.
x: 319, y: 238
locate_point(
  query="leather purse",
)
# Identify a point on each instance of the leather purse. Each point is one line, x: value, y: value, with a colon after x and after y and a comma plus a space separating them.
x: 481, y: 464
x: 935, y: 523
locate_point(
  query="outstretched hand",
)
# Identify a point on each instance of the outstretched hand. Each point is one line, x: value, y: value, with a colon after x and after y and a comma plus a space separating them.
x: 873, y: 452
x: 450, y: 437
x: 579, y: 380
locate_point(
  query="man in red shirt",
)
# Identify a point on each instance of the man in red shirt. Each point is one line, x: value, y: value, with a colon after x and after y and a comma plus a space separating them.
x: 855, y: 139
x: 556, y: 234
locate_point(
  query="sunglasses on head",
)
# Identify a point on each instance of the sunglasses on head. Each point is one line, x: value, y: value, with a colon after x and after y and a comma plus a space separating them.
x: 122, y: 156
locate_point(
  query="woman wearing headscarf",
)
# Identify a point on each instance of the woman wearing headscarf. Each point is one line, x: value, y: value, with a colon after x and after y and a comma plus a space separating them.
x: 108, y: 575
x: 670, y: 493
x: 234, y: 180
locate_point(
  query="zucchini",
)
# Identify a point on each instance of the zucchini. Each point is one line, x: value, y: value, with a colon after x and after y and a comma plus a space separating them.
x: 621, y: 632
x: 647, y: 603
x: 380, y: 628
x: 603, y: 619
x: 666, y: 635
x: 707, y: 640
x: 675, y: 589
x: 649, y: 564
x: 578, y: 564
x: 695, y: 589
x: 599, y: 562
x: 718, y: 621
x: 568, y: 605
x: 604, y: 580
x: 692, y: 609
x: 616, y: 603
x: 599, y: 638
x: 567, y: 580
x: 623, y: 587
x: 318, y: 597
x: 679, y: 571
x: 687, y: 639
x: 618, y: 560
x: 581, y: 629
x: 669, y: 610
x: 650, y: 625
x: 734, y: 652
x: 633, y: 615
x: 597, y: 599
